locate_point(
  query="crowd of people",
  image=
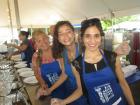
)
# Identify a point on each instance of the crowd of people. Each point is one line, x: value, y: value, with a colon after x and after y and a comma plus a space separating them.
x: 76, y: 73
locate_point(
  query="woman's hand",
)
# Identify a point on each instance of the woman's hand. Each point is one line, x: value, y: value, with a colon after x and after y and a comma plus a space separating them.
x: 43, y: 92
x: 48, y: 91
x: 40, y: 92
x: 56, y: 101
x: 44, y: 86
x: 123, y: 49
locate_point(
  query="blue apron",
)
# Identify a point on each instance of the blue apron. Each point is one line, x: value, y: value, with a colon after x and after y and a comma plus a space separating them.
x: 102, y: 86
x: 71, y: 84
x: 50, y: 73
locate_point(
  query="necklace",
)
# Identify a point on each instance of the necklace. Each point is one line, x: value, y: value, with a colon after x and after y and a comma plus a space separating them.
x: 93, y: 59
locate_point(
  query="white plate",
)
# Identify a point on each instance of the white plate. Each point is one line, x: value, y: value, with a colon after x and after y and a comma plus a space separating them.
x: 26, y: 74
x: 30, y: 80
x: 21, y: 62
x: 23, y: 70
x: 129, y: 70
x: 16, y: 56
x: 20, y: 65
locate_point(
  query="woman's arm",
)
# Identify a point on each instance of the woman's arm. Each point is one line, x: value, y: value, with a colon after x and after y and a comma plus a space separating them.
x: 21, y: 47
x: 62, y: 77
x: 36, y: 69
x: 123, y: 83
x: 74, y: 96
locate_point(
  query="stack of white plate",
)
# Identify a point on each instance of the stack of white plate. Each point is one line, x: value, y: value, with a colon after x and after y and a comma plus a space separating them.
x: 21, y: 65
x: 21, y: 62
x: 23, y: 70
x: 3, y: 48
x: 129, y: 70
x: 30, y: 80
x: 16, y: 57
x: 27, y: 74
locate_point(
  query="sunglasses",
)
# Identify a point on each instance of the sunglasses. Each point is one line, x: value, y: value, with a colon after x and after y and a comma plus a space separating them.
x: 90, y: 21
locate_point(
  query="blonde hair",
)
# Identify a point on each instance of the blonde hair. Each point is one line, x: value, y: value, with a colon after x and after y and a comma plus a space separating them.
x: 36, y: 34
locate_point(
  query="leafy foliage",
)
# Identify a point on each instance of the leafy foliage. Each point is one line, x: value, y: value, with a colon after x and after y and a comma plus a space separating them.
x: 109, y: 22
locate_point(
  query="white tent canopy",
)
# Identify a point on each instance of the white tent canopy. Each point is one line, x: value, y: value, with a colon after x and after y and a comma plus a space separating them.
x: 38, y: 13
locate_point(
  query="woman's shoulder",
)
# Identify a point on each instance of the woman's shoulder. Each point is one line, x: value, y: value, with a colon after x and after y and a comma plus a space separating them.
x: 34, y: 59
x: 25, y: 42
x: 35, y: 55
x: 59, y: 60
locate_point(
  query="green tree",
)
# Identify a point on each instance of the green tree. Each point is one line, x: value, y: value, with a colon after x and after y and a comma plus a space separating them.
x: 108, y: 22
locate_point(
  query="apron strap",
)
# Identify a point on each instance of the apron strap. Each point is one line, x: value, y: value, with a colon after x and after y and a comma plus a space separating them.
x: 61, y: 64
x: 83, y: 60
x: 77, y: 50
x: 66, y: 53
x: 106, y: 62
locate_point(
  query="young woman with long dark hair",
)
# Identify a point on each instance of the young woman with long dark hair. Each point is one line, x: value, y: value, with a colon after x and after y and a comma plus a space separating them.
x: 100, y: 71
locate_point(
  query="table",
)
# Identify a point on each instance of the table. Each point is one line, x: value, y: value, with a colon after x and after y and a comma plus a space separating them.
x: 31, y: 91
x: 134, y: 78
x: 134, y: 83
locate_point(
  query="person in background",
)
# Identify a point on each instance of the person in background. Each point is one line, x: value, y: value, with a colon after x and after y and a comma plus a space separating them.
x: 32, y: 42
x: 100, y: 71
x: 51, y: 34
x: 25, y: 48
x: 47, y: 69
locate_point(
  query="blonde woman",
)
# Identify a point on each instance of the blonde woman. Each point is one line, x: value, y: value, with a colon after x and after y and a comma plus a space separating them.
x: 47, y: 69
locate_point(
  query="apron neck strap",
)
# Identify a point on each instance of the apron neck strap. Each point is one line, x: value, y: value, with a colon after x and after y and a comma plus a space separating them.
x: 66, y: 53
x: 83, y: 59
x: 106, y: 62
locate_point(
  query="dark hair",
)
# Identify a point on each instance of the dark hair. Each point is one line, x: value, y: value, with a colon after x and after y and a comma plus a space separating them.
x: 24, y: 33
x: 89, y: 23
x: 57, y: 46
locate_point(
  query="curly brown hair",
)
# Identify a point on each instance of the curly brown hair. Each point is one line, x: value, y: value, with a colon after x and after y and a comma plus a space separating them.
x: 57, y: 47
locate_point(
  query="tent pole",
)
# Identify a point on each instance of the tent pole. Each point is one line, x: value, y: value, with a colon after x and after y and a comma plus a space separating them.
x: 10, y: 17
x: 17, y: 15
